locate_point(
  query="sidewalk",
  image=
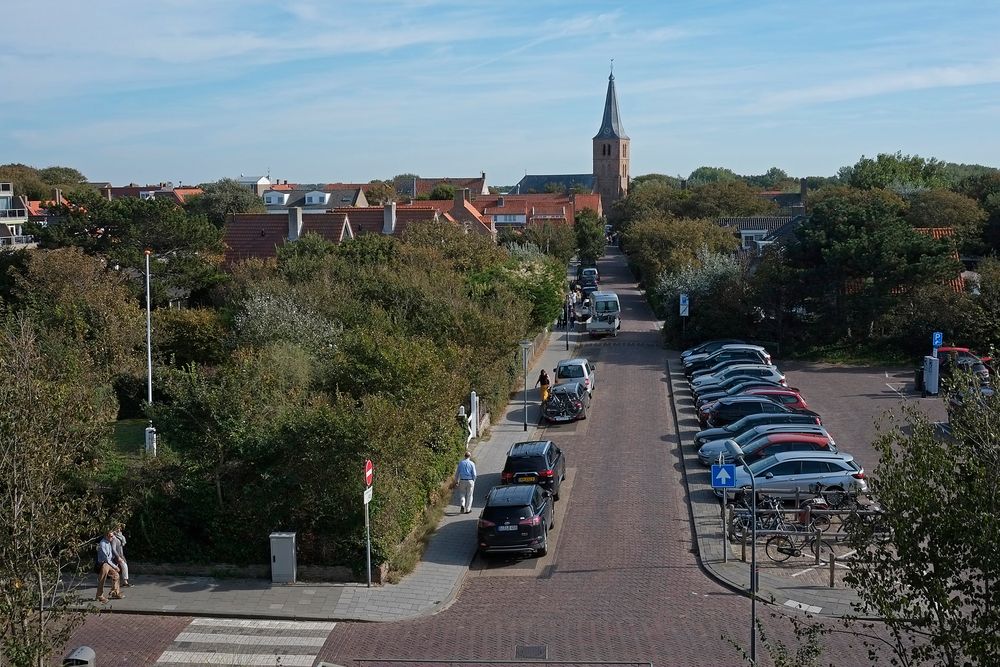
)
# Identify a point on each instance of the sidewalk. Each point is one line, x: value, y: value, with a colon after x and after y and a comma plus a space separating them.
x: 431, y: 587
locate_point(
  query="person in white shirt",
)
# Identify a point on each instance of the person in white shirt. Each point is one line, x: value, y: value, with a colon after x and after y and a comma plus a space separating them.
x: 106, y: 568
x: 118, y: 547
x: 465, y: 475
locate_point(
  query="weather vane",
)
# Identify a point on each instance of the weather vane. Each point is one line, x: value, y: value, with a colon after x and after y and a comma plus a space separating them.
x: 612, y: 65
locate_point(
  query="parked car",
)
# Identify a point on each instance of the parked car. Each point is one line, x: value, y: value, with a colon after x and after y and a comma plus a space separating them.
x: 738, y: 388
x: 758, y: 370
x: 752, y: 421
x: 586, y: 270
x: 961, y: 353
x: 766, y: 444
x: 607, y: 312
x: 538, y: 462
x: 760, y: 373
x: 567, y: 402
x: 783, y: 473
x: 786, y: 397
x: 958, y: 399
x: 709, y: 346
x: 515, y: 519
x: 730, y: 347
x: 588, y: 285
x: 726, y: 357
x: 730, y: 409
x: 576, y: 370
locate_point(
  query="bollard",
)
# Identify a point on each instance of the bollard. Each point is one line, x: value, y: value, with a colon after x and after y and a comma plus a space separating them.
x: 816, y: 536
x: 725, y: 532
x: 744, y: 553
x: 833, y: 565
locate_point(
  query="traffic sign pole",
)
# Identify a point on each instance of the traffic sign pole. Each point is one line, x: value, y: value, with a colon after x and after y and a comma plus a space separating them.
x: 369, y: 478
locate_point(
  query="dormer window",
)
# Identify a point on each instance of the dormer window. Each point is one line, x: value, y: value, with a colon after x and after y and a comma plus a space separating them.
x: 147, y: 195
x: 276, y: 198
x: 316, y: 198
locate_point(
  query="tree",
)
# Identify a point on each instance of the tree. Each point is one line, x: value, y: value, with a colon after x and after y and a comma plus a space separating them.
x: 933, y: 579
x: 62, y: 176
x: 443, y: 191
x: 897, y: 172
x: 187, y: 249
x: 554, y: 238
x: 662, y: 179
x: 26, y: 181
x: 985, y: 189
x: 223, y: 198
x: 854, y: 252
x: 723, y: 198
x: 703, y: 175
x: 944, y: 208
x: 53, y: 415
x: 659, y: 244
x: 590, y: 239
x: 380, y: 192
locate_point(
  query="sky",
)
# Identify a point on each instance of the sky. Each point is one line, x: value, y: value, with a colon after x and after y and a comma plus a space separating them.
x: 310, y: 91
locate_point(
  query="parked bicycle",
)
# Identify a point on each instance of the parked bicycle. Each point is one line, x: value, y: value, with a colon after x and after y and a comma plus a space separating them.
x: 780, y: 548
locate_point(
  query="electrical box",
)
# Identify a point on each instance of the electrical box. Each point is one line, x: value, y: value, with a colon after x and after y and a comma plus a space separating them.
x: 283, y: 564
x: 150, y: 441
x: 83, y: 655
x: 931, y: 375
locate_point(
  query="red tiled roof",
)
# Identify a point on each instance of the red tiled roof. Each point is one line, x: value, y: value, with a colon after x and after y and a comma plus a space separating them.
x: 183, y: 193
x: 254, y: 235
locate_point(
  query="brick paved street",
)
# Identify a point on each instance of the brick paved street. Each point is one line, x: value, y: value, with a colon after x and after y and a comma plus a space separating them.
x: 622, y: 583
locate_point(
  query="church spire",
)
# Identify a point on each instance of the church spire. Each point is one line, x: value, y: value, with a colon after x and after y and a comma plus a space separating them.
x: 611, y: 125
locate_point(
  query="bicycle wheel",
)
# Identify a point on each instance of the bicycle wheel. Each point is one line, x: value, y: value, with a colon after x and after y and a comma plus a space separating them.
x: 821, y: 522
x: 779, y: 548
x: 739, y: 527
x: 823, y: 548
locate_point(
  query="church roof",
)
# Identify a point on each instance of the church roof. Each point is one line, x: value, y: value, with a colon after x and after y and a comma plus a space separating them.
x: 611, y: 125
x: 542, y: 183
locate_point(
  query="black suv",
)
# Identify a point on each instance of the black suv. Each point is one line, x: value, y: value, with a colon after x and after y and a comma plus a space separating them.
x: 516, y: 519
x: 535, y: 462
x: 734, y: 408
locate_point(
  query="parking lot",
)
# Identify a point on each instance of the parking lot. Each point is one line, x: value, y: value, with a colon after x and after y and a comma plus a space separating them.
x: 851, y: 399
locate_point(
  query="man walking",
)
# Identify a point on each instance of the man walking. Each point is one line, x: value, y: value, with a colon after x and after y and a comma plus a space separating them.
x: 107, y: 568
x: 465, y: 475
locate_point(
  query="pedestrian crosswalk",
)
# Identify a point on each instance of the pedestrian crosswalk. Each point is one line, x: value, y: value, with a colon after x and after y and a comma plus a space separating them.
x: 232, y: 641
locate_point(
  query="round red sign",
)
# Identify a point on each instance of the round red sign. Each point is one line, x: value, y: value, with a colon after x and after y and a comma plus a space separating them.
x: 369, y: 472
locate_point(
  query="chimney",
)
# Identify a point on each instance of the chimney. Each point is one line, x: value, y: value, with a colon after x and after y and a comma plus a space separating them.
x: 294, y: 223
x: 803, y: 188
x: 389, y: 218
x: 461, y: 197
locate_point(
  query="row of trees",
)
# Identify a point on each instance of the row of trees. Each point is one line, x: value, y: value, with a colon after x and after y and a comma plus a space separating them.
x: 869, y: 269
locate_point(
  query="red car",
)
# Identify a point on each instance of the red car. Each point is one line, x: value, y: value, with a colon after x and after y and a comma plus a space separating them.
x: 961, y: 353
x: 773, y: 443
x: 790, y: 398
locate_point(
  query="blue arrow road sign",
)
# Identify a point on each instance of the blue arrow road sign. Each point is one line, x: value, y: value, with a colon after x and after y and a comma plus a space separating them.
x: 723, y: 475
x: 937, y: 339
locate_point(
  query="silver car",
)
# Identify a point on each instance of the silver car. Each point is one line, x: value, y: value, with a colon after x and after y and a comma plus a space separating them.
x: 781, y: 474
x: 709, y: 452
x: 754, y: 370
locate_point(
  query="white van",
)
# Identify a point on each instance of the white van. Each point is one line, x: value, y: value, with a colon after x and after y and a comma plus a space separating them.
x: 606, y: 312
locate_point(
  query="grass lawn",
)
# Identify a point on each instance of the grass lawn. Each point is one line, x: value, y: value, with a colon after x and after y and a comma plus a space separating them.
x: 130, y: 436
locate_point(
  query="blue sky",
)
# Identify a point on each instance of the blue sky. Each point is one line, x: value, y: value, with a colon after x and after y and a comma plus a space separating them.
x: 309, y: 90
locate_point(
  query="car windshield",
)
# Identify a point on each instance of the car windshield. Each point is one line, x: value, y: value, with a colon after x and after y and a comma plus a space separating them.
x: 606, y: 307
x: 759, y: 467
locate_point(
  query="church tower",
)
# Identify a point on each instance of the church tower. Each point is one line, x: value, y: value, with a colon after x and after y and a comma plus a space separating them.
x: 611, y: 172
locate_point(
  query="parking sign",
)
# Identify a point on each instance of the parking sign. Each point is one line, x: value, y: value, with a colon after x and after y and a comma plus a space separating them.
x: 937, y: 339
x: 684, y: 305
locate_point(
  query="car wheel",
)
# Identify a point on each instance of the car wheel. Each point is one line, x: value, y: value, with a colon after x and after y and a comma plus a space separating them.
x: 544, y: 549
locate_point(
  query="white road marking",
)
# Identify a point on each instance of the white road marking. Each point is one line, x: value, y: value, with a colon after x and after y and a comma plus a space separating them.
x: 235, y: 641
x: 253, y: 624
x: 249, y: 640
x: 812, y: 609
x: 898, y: 392
x: 259, y: 660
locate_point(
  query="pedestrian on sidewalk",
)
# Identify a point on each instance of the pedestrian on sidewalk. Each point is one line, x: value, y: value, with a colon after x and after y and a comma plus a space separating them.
x: 543, y: 380
x: 118, y: 547
x: 465, y: 475
x: 106, y: 568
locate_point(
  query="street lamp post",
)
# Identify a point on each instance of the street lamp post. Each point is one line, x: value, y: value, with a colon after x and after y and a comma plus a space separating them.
x: 525, y: 346
x: 734, y: 450
x: 566, y: 312
x: 149, y: 339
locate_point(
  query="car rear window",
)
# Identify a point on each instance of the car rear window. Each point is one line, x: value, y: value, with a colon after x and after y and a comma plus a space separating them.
x: 526, y: 463
x: 500, y: 514
x: 573, y: 371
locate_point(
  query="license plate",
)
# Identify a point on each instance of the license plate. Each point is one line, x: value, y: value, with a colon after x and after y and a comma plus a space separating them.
x: 504, y: 529
x: 530, y: 478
